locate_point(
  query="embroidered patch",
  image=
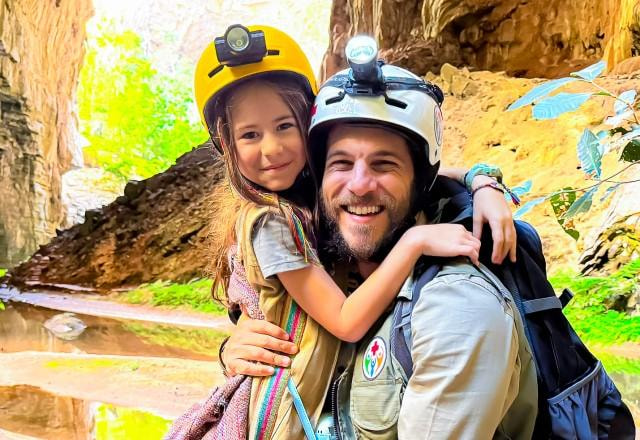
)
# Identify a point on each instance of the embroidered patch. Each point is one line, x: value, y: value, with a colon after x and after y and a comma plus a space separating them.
x: 374, y: 358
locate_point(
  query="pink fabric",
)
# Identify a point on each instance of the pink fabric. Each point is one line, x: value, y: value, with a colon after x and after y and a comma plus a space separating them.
x: 224, y: 414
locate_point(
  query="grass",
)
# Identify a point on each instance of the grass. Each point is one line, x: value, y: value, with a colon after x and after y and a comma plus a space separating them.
x: 587, y: 312
x: 195, y: 294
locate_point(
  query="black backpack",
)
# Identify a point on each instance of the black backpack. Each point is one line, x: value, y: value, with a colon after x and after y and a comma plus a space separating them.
x: 577, y: 399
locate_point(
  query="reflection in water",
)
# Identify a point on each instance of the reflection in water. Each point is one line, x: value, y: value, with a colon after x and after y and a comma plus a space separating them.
x: 22, y: 329
x: 625, y: 373
x: 30, y: 411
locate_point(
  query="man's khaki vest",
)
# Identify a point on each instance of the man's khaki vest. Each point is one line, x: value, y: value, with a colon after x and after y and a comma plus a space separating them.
x: 371, y: 385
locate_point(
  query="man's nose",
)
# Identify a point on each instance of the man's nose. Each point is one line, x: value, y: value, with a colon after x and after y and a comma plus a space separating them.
x: 271, y: 145
x: 362, y: 180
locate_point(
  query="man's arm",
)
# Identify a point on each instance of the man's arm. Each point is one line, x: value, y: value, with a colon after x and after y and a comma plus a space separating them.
x: 464, y: 353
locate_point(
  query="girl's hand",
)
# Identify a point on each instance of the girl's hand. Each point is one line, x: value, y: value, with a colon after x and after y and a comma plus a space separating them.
x: 490, y: 206
x: 255, y: 346
x: 445, y: 240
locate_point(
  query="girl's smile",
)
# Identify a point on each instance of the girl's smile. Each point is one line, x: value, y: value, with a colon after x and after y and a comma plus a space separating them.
x: 270, y: 147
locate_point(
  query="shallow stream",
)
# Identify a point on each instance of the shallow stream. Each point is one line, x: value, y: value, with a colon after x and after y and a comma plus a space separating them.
x: 30, y: 411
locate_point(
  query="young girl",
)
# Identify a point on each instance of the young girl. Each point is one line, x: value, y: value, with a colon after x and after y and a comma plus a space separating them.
x: 257, y: 112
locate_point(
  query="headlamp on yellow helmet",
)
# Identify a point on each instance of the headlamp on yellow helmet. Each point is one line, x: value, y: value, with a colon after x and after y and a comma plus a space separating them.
x: 243, y: 53
x: 240, y: 46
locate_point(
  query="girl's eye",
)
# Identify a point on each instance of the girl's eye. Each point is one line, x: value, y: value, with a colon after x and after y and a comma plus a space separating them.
x: 249, y: 135
x: 286, y: 126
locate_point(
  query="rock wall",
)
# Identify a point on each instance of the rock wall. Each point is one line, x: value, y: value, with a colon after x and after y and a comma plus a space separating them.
x: 156, y: 230
x: 530, y: 38
x: 41, y: 49
x: 479, y: 129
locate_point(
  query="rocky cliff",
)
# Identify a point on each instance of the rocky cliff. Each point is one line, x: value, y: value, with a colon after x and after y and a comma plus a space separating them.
x: 156, y: 230
x: 41, y: 48
x: 531, y: 38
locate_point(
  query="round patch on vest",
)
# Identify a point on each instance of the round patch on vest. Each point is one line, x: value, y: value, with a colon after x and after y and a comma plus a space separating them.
x: 374, y: 358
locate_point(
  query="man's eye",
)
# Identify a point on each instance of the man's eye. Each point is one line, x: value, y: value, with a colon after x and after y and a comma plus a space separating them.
x: 286, y: 126
x: 249, y: 135
x: 384, y: 164
x: 340, y: 164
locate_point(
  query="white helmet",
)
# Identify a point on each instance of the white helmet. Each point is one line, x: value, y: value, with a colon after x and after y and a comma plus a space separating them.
x: 373, y: 92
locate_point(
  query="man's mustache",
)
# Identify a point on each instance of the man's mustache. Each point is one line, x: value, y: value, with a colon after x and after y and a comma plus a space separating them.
x: 383, y: 200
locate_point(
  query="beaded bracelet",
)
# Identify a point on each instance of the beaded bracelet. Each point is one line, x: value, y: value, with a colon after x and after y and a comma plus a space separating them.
x: 499, y: 186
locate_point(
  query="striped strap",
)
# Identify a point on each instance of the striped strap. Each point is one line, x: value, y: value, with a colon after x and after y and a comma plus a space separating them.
x: 278, y: 383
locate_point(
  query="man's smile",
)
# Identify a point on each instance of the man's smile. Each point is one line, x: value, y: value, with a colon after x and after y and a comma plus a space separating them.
x: 363, y: 210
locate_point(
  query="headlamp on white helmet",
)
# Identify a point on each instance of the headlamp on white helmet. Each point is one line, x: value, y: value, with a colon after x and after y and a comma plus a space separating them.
x: 381, y: 94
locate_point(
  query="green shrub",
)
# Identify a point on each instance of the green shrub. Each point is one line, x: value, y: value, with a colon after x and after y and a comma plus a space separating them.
x: 195, y: 294
x: 135, y: 119
x: 587, y: 312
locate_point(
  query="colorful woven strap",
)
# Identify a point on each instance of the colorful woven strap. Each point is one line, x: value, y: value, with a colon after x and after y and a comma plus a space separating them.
x: 278, y: 383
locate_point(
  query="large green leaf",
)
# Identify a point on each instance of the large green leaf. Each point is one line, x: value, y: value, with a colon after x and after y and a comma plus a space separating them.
x: 523, y: 188
x: 591, y: 72
x: 524, y: 209
x: 581, y: 205
x: 561, y: 202
x: 539, y: 92
x: 551, y: 108
x: 589, y: 154
x: 624, y: 101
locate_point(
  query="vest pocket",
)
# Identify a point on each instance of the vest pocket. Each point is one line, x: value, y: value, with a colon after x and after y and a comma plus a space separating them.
x: 375, y: 406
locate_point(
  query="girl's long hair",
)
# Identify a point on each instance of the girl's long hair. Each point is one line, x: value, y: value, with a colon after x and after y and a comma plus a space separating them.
x: 295, y: 204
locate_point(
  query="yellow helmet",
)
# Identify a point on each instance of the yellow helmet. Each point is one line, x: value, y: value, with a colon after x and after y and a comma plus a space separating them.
x: 243, y: 52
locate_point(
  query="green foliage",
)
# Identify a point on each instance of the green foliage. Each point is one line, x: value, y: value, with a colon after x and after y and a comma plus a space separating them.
x: 587, y: 312
x: 561, y: 202
x: 195, y: 294
x: 618, y: 364
x: 623, y: 138
x: 135, y: 120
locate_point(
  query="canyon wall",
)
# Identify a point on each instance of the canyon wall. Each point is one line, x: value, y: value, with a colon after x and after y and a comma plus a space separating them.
x: 41, y: 49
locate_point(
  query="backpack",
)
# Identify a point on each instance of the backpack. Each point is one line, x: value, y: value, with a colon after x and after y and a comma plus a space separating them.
x: 576, y: 397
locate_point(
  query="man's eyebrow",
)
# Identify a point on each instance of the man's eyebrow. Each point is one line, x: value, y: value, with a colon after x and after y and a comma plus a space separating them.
x: 337, y: 153
x: 387, y: 153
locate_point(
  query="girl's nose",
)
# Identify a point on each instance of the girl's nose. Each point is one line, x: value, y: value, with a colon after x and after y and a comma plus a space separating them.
x: 271, y: 145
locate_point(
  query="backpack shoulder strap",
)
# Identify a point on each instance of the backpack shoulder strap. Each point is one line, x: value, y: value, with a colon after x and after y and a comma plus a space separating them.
x: 401, y: 339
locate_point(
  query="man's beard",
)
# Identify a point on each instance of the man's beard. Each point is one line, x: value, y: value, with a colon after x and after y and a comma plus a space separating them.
x: 334, y: 246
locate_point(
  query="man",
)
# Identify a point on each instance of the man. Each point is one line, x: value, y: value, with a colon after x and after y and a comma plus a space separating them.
x: 378, y: 149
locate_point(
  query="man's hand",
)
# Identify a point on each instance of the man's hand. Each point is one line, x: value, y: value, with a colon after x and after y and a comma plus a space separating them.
x: 490, y: 206
x: 255, y: 347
